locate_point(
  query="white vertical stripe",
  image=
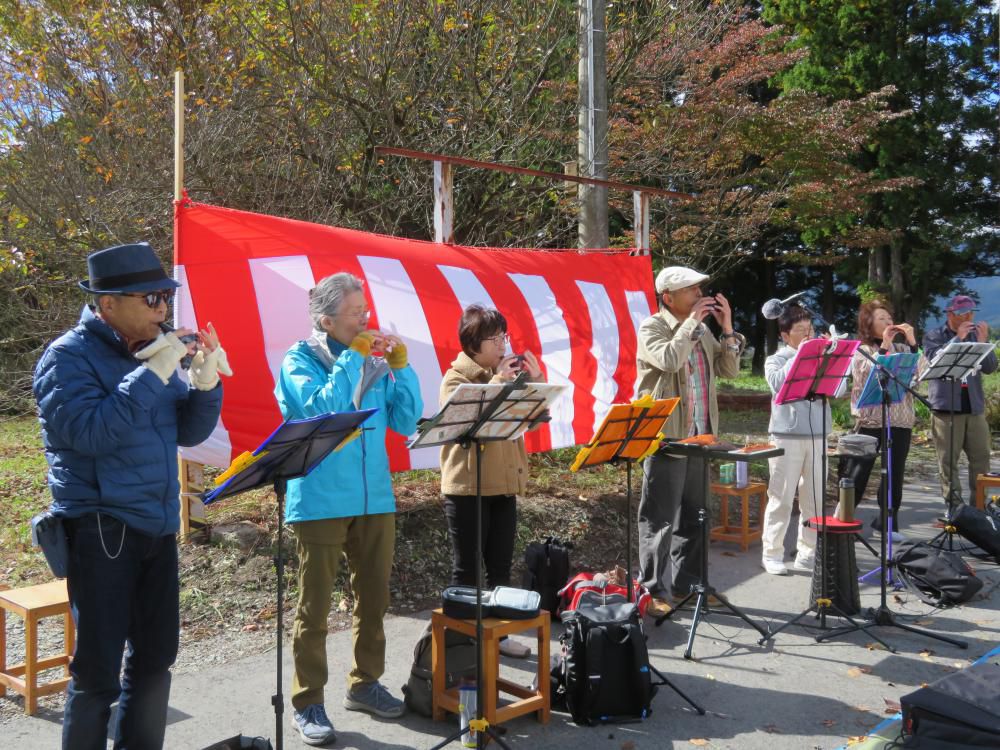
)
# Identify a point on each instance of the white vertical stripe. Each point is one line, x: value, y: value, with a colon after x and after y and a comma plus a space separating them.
x: 554, y: 336
x: 639, y: 310
x: 466, y: 286
x: 282, y: 286
x: 217, y: 450
x: 400, y: 312
x: 604, y: 347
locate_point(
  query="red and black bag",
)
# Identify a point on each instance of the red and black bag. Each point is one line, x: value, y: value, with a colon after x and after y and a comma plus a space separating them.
x: 609, y: 593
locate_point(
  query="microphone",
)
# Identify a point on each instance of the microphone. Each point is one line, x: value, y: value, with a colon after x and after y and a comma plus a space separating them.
x: 773, y: 308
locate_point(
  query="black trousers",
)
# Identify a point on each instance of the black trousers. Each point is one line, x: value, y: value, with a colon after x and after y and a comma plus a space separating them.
x: 670, y: 538
x: 860, y: 470
x: 499, y: 531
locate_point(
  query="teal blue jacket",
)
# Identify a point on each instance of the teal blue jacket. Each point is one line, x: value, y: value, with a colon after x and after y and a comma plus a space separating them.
x: 319, y: 376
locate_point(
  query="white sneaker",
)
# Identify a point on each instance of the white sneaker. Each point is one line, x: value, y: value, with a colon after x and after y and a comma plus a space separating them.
x: 513, y: 649
x: 774, y: 566
x: 897, y: 537
x: 804, y: 564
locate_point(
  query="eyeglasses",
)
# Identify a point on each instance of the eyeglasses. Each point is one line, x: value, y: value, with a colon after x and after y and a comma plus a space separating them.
x: 501, y: 339
x: 153, y: 299
x: 362, y: 314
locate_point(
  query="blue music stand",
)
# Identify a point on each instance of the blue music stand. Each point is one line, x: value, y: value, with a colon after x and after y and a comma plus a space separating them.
x: 902, y: 366
x: 293, y: 450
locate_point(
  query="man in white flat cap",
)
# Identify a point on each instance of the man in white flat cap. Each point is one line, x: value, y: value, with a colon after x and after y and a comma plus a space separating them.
x: 679, y: 357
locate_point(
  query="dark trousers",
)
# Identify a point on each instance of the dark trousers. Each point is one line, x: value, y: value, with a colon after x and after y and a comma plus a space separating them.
x: 670, y: 538
x: 123, y: 592
x: 499, y: 531
x: 860, y: 470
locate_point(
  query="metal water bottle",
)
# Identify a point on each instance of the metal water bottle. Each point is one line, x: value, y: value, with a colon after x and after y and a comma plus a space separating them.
x: 467, y: 710
x: 845, y: 508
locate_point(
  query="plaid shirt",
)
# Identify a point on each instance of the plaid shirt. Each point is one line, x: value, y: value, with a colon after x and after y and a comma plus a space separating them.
x: 698, y: 419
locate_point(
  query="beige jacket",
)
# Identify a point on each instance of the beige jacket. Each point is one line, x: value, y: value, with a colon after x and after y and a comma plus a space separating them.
x: 662, y: 365
x: 504, y: 463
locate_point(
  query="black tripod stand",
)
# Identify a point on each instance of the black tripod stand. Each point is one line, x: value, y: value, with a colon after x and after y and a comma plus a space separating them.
x: 882, y: 615
x: 626, y: 435
x: 702, y: 590
x: 291, y: 451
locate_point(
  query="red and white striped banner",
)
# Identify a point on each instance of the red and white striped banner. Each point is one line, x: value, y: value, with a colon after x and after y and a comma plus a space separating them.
x: 250, y: 274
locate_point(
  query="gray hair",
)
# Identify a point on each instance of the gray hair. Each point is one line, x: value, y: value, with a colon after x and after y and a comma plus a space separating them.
x: 328, y: 295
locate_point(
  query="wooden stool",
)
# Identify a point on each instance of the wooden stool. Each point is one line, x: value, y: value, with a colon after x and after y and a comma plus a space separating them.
x: 33, y: 603
x: 744, y: 534
x: 493, y: 630
x: 982, y: 483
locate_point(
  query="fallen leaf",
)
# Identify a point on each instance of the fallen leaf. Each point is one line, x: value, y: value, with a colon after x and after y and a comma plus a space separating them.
x: 891, y: 706
x: 858, y: 671
x: 856, y: 740
x: 829, y: 723
x: 925, y: 622
x: 698, y: 741
x: 876, y: 646
x: 771, y: 729
x: 926, y: 654
x: 628, y: 745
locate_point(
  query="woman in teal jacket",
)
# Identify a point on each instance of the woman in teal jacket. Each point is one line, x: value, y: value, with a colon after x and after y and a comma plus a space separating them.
x: 345, y: 505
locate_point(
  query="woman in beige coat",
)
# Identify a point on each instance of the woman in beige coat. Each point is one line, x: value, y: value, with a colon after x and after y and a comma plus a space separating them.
x: 504, y: 463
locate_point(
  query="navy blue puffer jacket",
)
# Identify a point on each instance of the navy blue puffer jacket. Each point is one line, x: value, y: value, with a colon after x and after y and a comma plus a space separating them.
x: 111, y: 428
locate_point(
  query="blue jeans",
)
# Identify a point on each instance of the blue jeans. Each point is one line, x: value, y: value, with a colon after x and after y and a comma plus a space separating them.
x: 123, y: 591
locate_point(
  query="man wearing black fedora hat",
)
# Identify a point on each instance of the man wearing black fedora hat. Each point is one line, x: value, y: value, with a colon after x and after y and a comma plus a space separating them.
x: 113, y: 411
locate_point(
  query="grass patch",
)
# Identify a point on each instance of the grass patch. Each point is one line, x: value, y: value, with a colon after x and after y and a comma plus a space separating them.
x: 23, y: 486
x: 743, y: 382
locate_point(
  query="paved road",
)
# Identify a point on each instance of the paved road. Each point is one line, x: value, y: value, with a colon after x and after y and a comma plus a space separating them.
x: 792, y: 693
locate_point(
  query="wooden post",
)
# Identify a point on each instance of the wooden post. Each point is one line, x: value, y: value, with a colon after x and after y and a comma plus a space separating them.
x: 178, y: 134
x: 444, y: 204
x: 640, y: 203
x: 191, y: 474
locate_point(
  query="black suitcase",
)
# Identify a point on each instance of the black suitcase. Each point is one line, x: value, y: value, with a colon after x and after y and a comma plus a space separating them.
x: 960, y: 710
x: 981, y: 529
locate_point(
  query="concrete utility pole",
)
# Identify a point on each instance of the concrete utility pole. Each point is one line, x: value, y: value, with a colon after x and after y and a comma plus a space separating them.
x: 592, y: 144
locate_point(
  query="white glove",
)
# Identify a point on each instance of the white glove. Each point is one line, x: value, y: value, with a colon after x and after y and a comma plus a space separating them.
x: 162, y: 355
x: 205, y: 368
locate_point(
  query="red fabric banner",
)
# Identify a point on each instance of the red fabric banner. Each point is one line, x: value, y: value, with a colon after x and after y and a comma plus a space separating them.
x: 249, y: 274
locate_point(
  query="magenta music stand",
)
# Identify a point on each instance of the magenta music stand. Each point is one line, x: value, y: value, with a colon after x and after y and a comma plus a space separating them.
x: 817, y: 372
x: 818, y: 369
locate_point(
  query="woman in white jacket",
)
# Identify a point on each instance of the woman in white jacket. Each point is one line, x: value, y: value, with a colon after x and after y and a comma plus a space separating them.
x: 797, y: 428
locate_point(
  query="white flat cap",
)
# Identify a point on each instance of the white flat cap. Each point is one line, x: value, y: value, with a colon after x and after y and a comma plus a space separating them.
x: 672, y: 278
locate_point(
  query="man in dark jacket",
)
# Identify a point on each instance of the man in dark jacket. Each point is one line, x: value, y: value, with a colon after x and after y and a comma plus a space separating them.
x: 113, y: 411
x: 958, y: 417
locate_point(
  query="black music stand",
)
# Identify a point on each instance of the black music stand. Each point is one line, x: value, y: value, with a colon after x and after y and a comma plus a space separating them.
x: 817, y: 372
x: 473, y: 415
x: 703, y: 589
x: 629, y: 433
x: 952, y: 364
x: 892, y: 389
x: 293, y: 450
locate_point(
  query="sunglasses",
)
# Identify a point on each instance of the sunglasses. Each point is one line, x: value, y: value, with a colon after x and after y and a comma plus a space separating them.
x: 153, y: 299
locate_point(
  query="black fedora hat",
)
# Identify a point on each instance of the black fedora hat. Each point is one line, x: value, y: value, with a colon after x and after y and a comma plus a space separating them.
x: 126, y: 268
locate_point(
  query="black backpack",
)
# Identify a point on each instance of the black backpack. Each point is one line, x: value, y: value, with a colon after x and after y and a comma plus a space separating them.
x: 603, y: 671
x: 546, y: 570
x: 459, y: 662
x: 938, y: 576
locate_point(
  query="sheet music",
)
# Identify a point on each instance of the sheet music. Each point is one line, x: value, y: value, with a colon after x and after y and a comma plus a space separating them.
x: 466, y: 404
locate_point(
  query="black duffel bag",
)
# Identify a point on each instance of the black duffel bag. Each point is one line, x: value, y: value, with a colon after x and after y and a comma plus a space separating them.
x: 938, y: 576
x: 546, y: 570
x: 982, y: 529
x: 960, y: 710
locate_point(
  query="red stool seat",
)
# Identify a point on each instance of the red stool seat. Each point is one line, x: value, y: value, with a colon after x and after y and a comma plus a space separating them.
x: 834, y: 525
